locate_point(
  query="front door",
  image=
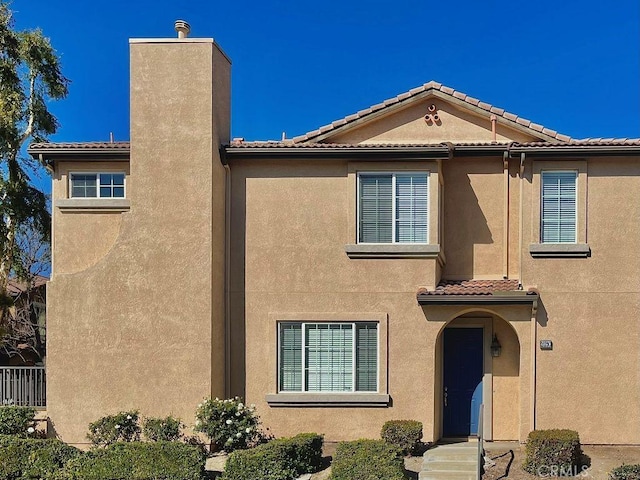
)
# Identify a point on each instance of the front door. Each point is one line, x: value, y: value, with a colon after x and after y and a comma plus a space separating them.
x: 462, y: 381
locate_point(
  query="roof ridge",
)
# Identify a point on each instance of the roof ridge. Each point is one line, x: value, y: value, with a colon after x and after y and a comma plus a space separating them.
x: 436, y: 86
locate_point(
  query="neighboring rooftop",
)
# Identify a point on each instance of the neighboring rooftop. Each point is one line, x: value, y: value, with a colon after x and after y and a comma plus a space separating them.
x: 17, y: 287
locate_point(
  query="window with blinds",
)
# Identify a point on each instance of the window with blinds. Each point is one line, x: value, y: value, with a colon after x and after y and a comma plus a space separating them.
x: 559, y: 212
x: 328, y: 357
x: 393, y: 207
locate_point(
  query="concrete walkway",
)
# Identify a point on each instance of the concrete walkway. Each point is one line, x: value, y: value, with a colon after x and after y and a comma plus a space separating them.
x: 451, y: 461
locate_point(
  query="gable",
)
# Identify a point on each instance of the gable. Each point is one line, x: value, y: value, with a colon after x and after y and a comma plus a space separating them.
x: 417, y: 123
x: 431, y: 113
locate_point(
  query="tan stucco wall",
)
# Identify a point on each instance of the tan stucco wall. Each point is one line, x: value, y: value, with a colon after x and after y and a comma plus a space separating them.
x: 589, y: 309
x: 407, y: 125
x: 142, y: 326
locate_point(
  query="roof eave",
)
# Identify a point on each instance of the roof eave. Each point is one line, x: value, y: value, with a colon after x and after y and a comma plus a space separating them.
x: 577, y: 150
x: 426, y: 299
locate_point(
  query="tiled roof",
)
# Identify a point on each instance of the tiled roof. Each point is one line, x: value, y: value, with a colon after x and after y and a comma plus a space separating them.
x: 472, y: 287
x: 427, y: 87
x: 16, y: 287
x: 80, y: 146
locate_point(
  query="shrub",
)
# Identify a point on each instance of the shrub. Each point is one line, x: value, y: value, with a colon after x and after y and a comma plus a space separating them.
x: 138, y: 461
x: 281, y: 459
x: 162, y: 429
x: 28, y: 458
x: 625, y: 472
x: 367, y: 460
x: 15, y: 420
x: 404, y: 434
x: 122, y: 427
x: 552, y: 452
x: 229, y: 423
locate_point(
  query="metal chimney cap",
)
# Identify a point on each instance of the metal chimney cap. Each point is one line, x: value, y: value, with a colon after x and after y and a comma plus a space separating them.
x: 183, y: 28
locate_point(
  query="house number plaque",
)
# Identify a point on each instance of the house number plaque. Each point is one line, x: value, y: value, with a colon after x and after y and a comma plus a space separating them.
x: 546, y: 345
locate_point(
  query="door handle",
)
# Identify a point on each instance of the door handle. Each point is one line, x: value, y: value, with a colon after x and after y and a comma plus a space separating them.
x: 445, y: 396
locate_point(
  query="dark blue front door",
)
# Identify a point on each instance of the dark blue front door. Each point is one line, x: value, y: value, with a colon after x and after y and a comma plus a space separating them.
x: 462, y: 380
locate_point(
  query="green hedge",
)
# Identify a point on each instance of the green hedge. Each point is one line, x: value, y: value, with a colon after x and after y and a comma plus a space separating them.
x: 367, y: 460
x: 552, y: 453
x: 15, y: 420
x: 30, y: 458
x: 404, y: 434
x: 281, y: 459
x: 138, y: 461
x: 625, y: 472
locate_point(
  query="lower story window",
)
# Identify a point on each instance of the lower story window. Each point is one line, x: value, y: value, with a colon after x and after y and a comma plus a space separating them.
x: 328, y: 357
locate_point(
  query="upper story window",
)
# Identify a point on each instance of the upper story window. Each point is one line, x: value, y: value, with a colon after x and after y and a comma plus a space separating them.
x: 328, y: 357
x: 97, y: 185
x: 559, y: 212
x: 393, y: 207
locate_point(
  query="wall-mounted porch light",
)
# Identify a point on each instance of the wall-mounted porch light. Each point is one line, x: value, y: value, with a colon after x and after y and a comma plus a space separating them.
x: 496, y: 348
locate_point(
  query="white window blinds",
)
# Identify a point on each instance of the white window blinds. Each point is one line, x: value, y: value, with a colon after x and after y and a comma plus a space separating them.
x: 558, y: 216
x: 328, y: 357
x: 393, y: 208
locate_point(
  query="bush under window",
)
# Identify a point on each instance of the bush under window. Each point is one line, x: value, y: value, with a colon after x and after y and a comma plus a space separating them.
x: 367, y: 460
x: 625, y: 472
x: 404, y: 434
x: 281, y: 459
x: 162, y: 429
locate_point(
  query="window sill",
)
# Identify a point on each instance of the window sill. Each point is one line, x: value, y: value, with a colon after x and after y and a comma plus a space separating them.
x: 559, y: 250
x: 93, y: 204
x: 396, y: 250
x: 328, y: 399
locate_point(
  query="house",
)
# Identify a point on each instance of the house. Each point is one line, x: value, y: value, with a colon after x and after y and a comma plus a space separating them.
x: 417, y: 259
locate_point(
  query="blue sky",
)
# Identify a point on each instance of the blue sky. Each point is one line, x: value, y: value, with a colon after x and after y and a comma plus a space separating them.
x: 571, y: 66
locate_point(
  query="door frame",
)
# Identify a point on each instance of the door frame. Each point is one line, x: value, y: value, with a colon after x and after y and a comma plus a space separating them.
x: 486, y: 323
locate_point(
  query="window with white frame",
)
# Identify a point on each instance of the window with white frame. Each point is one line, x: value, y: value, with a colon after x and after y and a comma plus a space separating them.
x: 393, y: 207
x: 558, y: 204
x: 328, y: 357
x: 97, y: 185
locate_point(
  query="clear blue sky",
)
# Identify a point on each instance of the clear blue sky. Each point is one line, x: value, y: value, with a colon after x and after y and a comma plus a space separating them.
x: 573, y: 66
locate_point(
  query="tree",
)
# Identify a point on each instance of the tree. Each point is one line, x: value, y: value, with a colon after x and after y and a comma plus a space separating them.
x: 30, y: 76
x: 22, y: 334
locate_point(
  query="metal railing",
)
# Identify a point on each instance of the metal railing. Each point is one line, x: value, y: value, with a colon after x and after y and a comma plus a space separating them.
x: 480, y: 441
x: 25, y: 386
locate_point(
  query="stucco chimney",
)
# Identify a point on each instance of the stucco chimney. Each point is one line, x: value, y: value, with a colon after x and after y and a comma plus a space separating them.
x: 183, y: 28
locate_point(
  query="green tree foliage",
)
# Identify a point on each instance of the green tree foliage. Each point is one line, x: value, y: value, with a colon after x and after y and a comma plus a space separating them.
x: 30, y: 76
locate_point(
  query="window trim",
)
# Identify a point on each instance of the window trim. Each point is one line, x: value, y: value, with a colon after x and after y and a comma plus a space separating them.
x: 97, y: 174
x: 354, y: 329
x: 579, y: 249
x: 394, y: 174
x: 576, y: 207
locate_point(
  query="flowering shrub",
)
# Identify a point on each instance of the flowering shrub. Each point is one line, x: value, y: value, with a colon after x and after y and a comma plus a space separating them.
x: 122, y: 427
x: 229, y: 423
x: 15, y: 420
x: 162, y: 429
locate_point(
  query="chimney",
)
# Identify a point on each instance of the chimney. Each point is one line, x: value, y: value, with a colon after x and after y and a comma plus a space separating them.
x: 183, y: 28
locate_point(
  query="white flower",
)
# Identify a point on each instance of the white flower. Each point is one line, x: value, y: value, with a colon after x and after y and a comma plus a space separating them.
x: 253, y: 405
x: 128, y: 417
x: 237, y: 414
x: 240, y: 405
x: 238, y: 434
x: 117, y: 426
x: 31, y: 429
x: 229, y: 422
x: 197, y: 422
x: 248, y: 430
x: 200, y: 405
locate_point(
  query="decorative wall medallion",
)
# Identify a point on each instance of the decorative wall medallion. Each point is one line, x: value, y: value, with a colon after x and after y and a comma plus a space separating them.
x: 432, y: 117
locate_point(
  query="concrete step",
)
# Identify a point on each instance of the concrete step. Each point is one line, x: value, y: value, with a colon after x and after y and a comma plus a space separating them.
x: 444, y: 475
x: 455, y: 466
x: 453, y: 461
